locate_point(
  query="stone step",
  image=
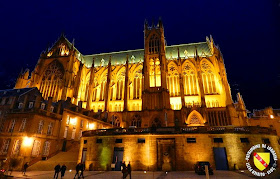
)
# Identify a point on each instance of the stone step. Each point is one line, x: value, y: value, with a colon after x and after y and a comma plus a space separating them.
x: 69, y: 158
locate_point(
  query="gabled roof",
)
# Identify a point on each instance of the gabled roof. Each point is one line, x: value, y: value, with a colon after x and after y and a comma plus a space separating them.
x: 15, y: 92
x: 135, y: 56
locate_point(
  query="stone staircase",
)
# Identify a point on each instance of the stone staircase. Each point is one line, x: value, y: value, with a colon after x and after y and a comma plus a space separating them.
x: 69, y: 158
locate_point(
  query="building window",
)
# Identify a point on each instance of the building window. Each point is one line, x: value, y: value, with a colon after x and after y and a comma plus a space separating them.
x: 155, y: 73
x: 218, y: 140
x: 67, y: 120
x: 10, y: 100
x: 52, y: 108
x: 46, y: 148
x: 244, y: 140
x: 5, y: 147
x: 30, y: 105
x: 12, y: 125
x: 16, y: 147
x: 65, y: 132
x: 266, y: 141
x: 141, y: 140
x: 43, y: 105
x: 20, y: 105
x: 118, y: 141
x: 81, y: 133
x: 36, y: 148
x: 22, y: 126
x: 191, y: 140
x: 136, y: 121
x: 3, y: 101
x: 40, y: 127
x: 82, y: 124
x: 85, y: 141
x: 99, y: 141
x: 50, y: 129
x: 73, y: 133
x: 154, y: 44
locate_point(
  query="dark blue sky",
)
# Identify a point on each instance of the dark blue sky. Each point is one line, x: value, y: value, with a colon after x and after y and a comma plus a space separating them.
x: 248, y: 33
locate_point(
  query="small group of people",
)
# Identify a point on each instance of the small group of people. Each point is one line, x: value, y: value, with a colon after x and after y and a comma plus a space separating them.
x: 80, y: 168
x: 58, y: 169
x: 126, y: 170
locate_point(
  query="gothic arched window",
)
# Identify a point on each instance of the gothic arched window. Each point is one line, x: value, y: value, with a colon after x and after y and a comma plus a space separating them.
x: 120, y: 86
x: 137, y: 84
x: 173, y: 83
x: 52, y: 81
x: 156, y: 123
x: 155, y: 73
x: 208, y: 79
x: 136, y: 121
x: 154, y: 44
x: 189, y: 80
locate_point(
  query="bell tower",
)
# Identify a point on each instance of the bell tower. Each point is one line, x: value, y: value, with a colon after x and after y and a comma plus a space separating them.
x: 155, y: 93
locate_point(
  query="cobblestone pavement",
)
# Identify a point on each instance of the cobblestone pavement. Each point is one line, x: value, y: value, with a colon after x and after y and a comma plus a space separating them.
x: 135, y: 175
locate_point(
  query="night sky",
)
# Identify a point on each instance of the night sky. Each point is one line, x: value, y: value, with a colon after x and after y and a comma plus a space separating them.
x: 248, y: 33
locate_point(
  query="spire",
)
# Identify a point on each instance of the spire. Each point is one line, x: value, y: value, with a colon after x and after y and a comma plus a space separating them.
x: 92, y: 65
x: 146, y: 24
x: 196, y: 54
x: 127, y: 59
x: 178, y: 53
x: 110, y: 59
x: 153, y: 23
x: 160, y: 23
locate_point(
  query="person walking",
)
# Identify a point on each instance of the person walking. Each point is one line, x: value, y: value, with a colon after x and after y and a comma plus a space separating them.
x: 82, y: 168
x: 78, y: 168
x: 25, y: 166
x: 124, y: 170
x: 62, y: 170
x: 56, y: 171
x: 129, y: 169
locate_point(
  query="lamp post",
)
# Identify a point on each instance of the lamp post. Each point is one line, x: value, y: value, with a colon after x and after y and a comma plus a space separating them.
x: 27, y: 142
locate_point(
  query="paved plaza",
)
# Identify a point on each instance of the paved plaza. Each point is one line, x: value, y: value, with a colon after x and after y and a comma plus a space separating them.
x: 135, y: 175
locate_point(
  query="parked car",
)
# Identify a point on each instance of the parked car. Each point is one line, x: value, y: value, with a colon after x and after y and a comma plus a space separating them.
x: 199, y: 167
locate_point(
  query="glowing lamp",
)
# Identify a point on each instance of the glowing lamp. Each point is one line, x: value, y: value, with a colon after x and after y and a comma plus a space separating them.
x: 91, y: 126
x: 271, y: 116
x: 73, y: 121
x: 27, y: 141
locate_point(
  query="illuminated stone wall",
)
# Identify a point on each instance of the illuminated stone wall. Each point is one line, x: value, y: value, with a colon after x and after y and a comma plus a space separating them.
x: 143, y: 156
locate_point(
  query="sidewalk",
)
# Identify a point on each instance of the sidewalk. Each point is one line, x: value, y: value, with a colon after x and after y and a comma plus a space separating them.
x: 135, y: 175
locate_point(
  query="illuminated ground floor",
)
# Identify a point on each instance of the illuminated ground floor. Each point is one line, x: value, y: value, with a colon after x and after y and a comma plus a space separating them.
x: 170, y: 149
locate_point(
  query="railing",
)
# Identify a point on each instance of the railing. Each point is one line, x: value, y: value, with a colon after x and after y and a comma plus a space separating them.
x: 185, y: 130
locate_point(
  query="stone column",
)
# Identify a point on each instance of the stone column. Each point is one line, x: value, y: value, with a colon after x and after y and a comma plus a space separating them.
x: 126, y: 85
x: 91, y: 86
x: 107, y: 89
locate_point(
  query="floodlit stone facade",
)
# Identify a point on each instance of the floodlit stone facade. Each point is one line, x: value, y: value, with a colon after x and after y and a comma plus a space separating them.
x: 169, y: 106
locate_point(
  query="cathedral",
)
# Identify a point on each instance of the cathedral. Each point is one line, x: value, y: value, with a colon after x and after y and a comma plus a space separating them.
x: 161, y: 107
x: 179, y: 85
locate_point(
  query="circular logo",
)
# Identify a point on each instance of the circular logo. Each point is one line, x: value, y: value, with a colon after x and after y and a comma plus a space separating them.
x: 261, y: 163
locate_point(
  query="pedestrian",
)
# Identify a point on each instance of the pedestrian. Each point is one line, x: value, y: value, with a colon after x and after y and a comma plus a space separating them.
x: 56, y: 171
x: 25, y: 166
x: 62, y: 170
x: 78, y: 166
x: 124, y: 170
x: 82, y: 168
x: 129, y: 169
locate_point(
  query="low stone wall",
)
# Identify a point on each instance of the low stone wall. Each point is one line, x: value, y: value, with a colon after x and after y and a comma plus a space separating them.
x: 149, y: 155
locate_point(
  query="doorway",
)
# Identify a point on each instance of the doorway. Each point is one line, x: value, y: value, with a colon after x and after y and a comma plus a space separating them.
x: 118, y: 157
x: 166, y: 158
x: 84, y: 154
x: 220, y: 156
